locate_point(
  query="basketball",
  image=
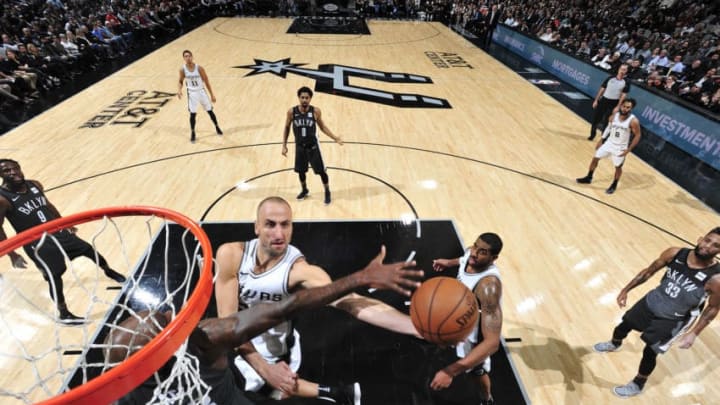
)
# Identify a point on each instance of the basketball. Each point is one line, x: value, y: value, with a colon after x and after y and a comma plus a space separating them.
x: 444, y: 311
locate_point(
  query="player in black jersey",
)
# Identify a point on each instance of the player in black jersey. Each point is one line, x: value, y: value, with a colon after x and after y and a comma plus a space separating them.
x: 24, y: 204
x: 213, y: 338
x: 303, y: 119
x: 691, y: 282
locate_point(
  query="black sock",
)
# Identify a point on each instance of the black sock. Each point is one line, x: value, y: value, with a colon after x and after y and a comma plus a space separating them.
x: 614, y: 183
x: 616, y: 342
x: 212, y: 117
x: 590, y: 173
x: 640, y: 381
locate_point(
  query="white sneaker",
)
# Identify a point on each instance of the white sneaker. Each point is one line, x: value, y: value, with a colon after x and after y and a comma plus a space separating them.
x: 628, y: 390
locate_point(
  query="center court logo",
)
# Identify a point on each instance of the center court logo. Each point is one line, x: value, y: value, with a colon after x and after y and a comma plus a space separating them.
x: 335, y: 79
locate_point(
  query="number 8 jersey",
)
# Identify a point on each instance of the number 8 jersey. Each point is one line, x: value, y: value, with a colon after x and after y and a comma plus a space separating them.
x: 620, y: 131
x: 29, y: 209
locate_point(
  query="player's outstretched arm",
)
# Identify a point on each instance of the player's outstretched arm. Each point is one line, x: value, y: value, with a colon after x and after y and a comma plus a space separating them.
x: 242, y: 326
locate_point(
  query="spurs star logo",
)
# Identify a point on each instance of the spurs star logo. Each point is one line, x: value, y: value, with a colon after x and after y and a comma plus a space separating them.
x: 335, y: 79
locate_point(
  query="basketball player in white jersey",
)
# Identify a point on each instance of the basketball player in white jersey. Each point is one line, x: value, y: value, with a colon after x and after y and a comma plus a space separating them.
x: 269, y: 269
x: 477, y: 271
x: 214, y: 337
x: 620, y: 137
x: 196, y: 81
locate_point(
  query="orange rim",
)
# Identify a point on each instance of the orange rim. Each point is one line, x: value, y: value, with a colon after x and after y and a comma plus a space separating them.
x: 121, y: 379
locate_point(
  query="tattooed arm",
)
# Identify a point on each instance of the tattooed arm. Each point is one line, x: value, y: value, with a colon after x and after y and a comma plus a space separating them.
x: 489, y: 292
x: 239, y: 327
x: 662, y: 261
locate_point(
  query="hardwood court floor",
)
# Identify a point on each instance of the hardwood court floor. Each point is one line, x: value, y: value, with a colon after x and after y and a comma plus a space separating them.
x: 503, y: 159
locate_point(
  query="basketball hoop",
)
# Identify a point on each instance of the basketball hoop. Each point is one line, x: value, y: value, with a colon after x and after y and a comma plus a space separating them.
x: 187, y: 301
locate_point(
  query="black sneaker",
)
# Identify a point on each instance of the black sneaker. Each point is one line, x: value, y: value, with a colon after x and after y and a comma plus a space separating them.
x: 112, y: 274
x: 304, y: 193
x: 343, y: 394
x: 591, y: 137
x: 327, y: 197
x: 68, y: 318
x: 218, y: 131
x: 192, y: 137
x: 611, y: 189
x: 584, y: 180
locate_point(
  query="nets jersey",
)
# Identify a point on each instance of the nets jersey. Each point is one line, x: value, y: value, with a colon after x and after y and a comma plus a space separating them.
x: 193, y: 80
x: 304, y: 126
x: 619, y: 134
x: 272, y: 285
x: 470, y: 280
x: 29, y: 209
x: 681, y: 289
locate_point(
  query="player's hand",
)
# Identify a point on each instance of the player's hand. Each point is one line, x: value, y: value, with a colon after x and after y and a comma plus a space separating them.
x: 441, y: 264
x: 594, y: 104
x: 281, y: 377
x: 441, y: 380
x: 622, y: 299
x: 179, y: 93
x: 624, y: 153
x: 212, y: 98
x: 284, y: 150
x: 18, y: 262
x: 339, y: 140
x: 687, y: 340
x: 599, y: 144
x: 394, y: 276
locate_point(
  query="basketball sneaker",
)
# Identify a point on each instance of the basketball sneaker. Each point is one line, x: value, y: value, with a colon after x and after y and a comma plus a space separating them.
x: 68, y: 318
x: 605, y: 347
x: 192, y: 137
x: 628, y: 390
x: 342, y: 395
x: 584, y: 180
x: 611, y: 189
x: 304, y: 193
x: 327, y: 197
x: 114, y: 275
x: 218, y: 131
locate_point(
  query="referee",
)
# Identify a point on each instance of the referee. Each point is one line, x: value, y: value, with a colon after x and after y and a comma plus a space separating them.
x: 610, y: 96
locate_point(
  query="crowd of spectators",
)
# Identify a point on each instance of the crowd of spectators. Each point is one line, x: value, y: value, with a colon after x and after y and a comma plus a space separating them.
x: 46, y: 44
x: 671, y: 46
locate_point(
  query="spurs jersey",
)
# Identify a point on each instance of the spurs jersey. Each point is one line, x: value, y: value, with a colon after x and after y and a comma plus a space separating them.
x: 304, y: 126
x: 193, y: 80
x: 619, y: 131
x: 272, y: 285
x: 470, y: 280
x: 681, y: 289
x: 29, y: 209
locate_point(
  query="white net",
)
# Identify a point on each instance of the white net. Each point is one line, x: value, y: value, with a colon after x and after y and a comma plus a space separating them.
x: 44, y: 355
